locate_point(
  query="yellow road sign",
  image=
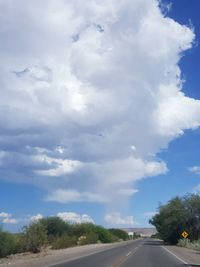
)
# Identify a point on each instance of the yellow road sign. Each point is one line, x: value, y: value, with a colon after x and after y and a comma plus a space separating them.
x: 184, y: 234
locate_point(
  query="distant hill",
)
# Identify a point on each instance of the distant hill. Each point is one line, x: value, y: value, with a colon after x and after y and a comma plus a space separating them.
x: 145, y: 232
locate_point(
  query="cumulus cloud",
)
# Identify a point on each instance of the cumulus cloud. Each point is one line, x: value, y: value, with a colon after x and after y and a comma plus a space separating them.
x: 195, y: 169
x: 90, y: 94
x: 115, y: 218
x: 197, y: 189
x: 65, y: 196
x: 73, y: 217
x: 7, y: 218
x: 36, y: 218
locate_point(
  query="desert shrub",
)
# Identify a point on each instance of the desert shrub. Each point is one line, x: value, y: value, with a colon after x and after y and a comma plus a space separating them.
x: 55, y: 227
x: 34, y: 237
x: 87, y: 229
x: 104, y: 235
x: 120, y: 234
x: 90, y: 238
x: 81, y: 229
x: 64, y: 241
x: 7, y: 244
x: 189, y: 244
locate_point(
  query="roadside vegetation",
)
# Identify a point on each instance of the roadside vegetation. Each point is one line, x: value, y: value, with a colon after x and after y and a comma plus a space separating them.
x: 54, y: 233
x: 189, y: 244
x: 178, y: 215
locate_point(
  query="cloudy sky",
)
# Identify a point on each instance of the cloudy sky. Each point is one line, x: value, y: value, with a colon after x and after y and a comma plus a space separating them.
x: 99, y: 109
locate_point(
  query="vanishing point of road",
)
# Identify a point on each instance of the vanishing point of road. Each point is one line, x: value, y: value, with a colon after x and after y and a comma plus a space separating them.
x: 139, y: 253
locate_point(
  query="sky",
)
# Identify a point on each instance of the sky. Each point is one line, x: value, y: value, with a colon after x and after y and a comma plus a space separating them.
x: 99, y: 109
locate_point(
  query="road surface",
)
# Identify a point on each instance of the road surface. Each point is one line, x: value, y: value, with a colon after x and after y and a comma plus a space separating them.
x: 140, y: 253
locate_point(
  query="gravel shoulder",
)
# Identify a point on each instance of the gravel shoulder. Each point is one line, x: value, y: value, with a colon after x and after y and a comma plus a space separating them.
x: 51, y: 257
x: 189, y: 255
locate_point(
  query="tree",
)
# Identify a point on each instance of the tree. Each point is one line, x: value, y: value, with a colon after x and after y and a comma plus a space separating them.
x: 192, y: 207
x: 178, y: 215
x: 170, y: 221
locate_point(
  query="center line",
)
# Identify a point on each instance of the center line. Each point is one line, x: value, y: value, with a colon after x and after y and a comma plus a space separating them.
x: 128, y: 254
x: 125, y: 258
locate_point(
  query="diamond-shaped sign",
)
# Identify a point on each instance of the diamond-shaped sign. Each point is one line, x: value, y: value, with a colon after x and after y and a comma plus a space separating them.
x: 184, y: 234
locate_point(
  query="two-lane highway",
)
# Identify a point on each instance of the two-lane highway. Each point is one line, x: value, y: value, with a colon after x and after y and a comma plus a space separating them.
x: 140, y: 253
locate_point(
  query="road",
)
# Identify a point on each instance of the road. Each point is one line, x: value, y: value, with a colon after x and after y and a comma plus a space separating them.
x: 140, y: 253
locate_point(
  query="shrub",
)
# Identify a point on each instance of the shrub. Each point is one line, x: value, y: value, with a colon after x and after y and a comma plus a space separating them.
x: 34, y: 237
x: 64, y: 241
x: 90, y: 238
x: 189, y: 244
x: 7, y: 244
x: 104, y: 235
x: 80, y: 229
x: 55, y: 227
x: 120, y: 234
x: 86, y: 229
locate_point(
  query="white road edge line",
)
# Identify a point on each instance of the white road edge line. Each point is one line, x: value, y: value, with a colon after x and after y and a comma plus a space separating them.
x: 176, y: 256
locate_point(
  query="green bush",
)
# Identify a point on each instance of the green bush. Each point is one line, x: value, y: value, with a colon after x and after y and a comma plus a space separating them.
x: 80, y: 229
x: 8, y: 244
x: 104, y: 235
x: 120, y: 234
x: 90, y: 238
x: 55, y: 227
x: 55, y: 232
x: 189, y: 244
x: 86, y: 229
x: 64, y: 241
x: 34, y: 237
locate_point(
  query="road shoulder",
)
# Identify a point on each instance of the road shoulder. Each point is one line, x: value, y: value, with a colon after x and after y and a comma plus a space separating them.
x: 190, y: 256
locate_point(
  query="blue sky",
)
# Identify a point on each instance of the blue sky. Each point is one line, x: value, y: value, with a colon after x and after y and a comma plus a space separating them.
x: 103, y: 127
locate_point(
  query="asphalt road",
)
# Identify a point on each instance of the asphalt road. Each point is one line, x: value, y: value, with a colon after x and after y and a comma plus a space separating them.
x: 140, y: 253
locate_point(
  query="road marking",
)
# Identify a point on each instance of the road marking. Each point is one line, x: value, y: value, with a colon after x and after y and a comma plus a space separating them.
x: 176, y: 256
x: 125, y: 258
x: 128, y: 254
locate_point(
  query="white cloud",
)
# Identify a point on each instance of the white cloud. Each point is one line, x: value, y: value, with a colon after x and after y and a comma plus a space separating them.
x: 73, y: 217
x: 127, y: 191
x: 65, y: 196
x: 4, y: 215
x: 197, y: 189
x: 7, y: 218
x: 115, y: 218
x: 61, y: 166
x: 36, y: 218
x: 90, y: 94
x: 195, y: 169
